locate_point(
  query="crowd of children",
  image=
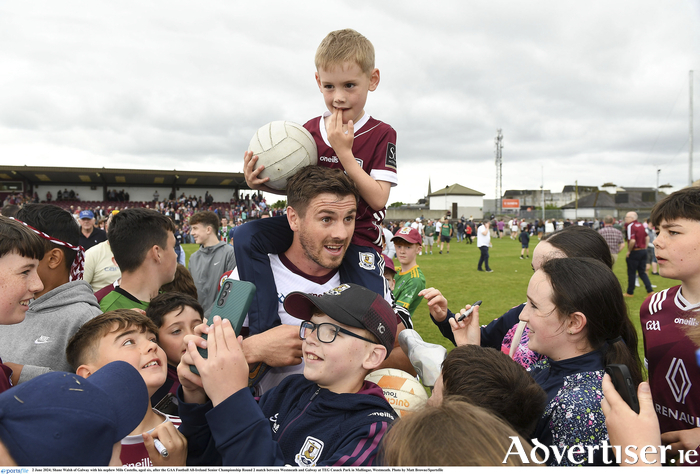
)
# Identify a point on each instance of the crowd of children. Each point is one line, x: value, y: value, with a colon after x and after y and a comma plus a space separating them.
x: 120, y: 370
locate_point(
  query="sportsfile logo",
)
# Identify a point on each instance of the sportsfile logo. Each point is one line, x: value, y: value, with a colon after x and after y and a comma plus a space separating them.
x: 579, y: 454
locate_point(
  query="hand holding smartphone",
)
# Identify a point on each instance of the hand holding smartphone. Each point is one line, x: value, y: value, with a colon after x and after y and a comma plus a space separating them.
x: 232, y: 303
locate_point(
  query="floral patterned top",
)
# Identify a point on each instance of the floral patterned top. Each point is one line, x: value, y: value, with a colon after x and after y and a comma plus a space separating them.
x: 573, y: 416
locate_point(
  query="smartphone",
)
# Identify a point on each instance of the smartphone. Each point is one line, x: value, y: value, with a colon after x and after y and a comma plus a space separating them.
x: 622, y: 380
x: 232, y: 303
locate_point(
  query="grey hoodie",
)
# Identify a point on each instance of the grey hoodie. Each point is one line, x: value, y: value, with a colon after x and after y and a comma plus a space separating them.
x: 206, y: 266
x: 39, y: 342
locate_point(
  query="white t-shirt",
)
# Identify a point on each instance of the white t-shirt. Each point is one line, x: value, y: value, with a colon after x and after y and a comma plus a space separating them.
x: 481, y: 239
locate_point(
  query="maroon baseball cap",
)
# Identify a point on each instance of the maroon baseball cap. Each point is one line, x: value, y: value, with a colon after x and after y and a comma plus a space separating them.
x: 349, y: 304
x: 388, y: 263
x: 409, y: 234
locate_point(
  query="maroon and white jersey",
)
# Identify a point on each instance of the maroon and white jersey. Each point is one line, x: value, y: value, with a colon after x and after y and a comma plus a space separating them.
x: 134, y: 452
x: 674, y: 375
x: 374, y: 149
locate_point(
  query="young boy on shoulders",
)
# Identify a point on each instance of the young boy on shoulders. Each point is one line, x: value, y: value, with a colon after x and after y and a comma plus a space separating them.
x: 20, y: 253
x: 213, y: 259
x: 330, y: 416
x: 667, y: 315
x: 143, y: 243
x: 346, y: 138
x: 409, y: 277
x: 39, y: 342
x: 176, y: 315
x: 129, y: 336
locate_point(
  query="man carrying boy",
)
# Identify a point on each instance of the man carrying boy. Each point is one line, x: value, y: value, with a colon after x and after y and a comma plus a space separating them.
x: 143, y: 243
x: 666, y: 316
x: 39, y: 342
x: 20, y: 253
x: 349, y: 139
x: 409, y: 277
x: 330, y: 416
x: 129, y: 336
x: 213, y: 259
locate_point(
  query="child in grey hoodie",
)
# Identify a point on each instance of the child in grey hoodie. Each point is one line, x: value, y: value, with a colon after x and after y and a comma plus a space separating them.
x: 38, y: 344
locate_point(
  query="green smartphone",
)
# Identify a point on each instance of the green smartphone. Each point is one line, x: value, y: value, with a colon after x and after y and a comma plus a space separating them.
x: 232, y: 303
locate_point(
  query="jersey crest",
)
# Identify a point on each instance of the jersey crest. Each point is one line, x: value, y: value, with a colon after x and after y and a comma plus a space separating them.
x: 310, y: 452
x: 367, y: 260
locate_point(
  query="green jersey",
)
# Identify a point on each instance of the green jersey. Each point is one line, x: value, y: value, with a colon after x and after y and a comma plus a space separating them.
x: 408, y: 285
x: 120, y: 299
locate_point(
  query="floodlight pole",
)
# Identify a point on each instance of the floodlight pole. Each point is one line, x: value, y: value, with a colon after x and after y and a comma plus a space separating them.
x: 690, y: 152
x: 499, y: 168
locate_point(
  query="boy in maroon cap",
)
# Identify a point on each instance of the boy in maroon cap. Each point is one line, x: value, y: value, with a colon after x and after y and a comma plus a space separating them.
x: 330, y: 416
x: 409, y: 277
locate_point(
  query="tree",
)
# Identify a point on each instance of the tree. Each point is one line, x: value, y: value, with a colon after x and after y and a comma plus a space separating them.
x: 396, y: 204
x: 281, y: 204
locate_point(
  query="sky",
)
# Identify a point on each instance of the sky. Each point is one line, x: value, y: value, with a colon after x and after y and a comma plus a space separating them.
x: 593, y: 92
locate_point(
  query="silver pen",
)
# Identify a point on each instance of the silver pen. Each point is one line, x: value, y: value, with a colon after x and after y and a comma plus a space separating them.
x: 160, y: 447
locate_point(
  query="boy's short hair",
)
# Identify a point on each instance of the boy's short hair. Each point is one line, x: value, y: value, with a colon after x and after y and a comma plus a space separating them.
x: 683, y: 204
x: 82, y: 347
x: 56, y: 222
x: 454, y: 433
x: 489, y: 378
x: 15, y: 237
x: 133, y: 232
x: 182, y: 283
x: 312, y: 180
x: 206, y: 218
x: 345, y: 46
x: 168, y: 302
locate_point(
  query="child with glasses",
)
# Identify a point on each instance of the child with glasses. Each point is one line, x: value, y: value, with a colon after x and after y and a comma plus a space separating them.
x: 329, y: 416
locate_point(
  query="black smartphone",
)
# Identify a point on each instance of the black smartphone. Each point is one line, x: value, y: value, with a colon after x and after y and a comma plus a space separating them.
x: 622, y: 380
x: 232, y: 303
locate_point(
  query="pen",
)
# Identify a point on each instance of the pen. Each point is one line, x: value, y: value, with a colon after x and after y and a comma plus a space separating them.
x: 469, y: 311
x: 161, y: 449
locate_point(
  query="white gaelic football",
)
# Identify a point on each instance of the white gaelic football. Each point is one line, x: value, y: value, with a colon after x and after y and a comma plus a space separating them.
x: 284, y: 148
x: 403, y: 391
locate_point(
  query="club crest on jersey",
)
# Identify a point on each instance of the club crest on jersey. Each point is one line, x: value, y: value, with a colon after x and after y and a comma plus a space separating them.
x: 338, y: 290
x: 310, y: 452
x: 367, y: 260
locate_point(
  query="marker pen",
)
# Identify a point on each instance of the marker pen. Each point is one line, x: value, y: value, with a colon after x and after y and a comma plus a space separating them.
x: 161, y: 449
x: 470, y: 310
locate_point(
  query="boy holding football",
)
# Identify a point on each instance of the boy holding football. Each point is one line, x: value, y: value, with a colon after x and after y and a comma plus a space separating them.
x: 347, y: 138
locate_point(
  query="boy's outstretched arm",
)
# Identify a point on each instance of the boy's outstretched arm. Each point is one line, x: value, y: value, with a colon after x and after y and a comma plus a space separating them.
x: 375, y: 193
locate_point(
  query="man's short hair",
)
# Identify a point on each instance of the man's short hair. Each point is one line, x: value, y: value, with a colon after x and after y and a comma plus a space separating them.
x: 312, y: 180
x: 345, y: 45
x: 608, y: 220
x: 15, y: 237
x: 683, y: 204
x: 206, y: 218
x: 82, y: 347
x: 489, y: 378
x: 133, y: 232
x: 56, y: 222
x: 167, y: 303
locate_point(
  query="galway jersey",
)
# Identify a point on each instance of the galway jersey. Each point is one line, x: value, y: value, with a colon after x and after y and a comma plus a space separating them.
x: 670, y: 357
x: 374, y: 150
x: 134, y: 452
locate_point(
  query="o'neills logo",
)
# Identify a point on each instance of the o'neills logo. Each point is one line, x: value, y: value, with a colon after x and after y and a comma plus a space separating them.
x: 579, y: 454
x: 328, y: 159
